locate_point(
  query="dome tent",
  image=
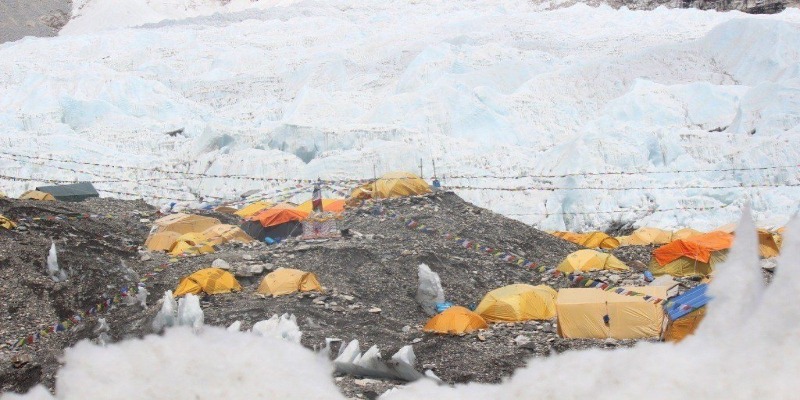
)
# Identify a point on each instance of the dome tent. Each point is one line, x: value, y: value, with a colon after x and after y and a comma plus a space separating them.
x: 695, y: 256
x: 392, y: 184
x: 287, y: 280
x: 455, y: 320
x: 208, y: 280
x: 184, y: 223
x: 590, y: 260
x: 518, y: 302
x: 280, y: 221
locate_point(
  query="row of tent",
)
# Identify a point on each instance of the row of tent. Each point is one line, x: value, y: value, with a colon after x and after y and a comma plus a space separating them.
x: 280, y: 282
x: 696, y: 256
x: 180, y: 233
x: 192, y: 234
x: 263, y: 219
x: 586, y: 313
x: 769, y: 241
x: 582, y: 313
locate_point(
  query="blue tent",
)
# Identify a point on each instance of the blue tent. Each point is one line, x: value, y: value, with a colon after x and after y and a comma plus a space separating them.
x: 695, y: 298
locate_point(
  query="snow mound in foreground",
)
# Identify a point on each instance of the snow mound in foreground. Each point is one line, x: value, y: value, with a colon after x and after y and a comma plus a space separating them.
x: 746, y: 348
x: 215, y: 364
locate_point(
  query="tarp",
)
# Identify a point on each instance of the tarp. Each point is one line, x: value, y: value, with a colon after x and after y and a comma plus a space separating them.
x: 161, y: 241
x: 518, y: 302
x: 253, y: 208
x: 37, y: 195
x: 392, y: 184
x: 224, y: 233
x: 279, y: 214
x: 208, y: 280
x: 286, y: 281
x: 73, y: 192
x: 590, y: 260
x: 697, y: 248
x: 330, y: 205
x: 6, y: 223
x: 695, y: 298
x: 684, y: 320
x: 581, y: 313
x: 455, y: 320
x: 184, y: 223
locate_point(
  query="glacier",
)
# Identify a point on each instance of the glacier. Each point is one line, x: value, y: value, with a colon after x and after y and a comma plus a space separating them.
x: 570, y: 118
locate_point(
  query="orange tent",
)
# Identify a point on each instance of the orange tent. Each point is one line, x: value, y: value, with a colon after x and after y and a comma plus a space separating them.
x: 279, y: 214
x: 455, y: 320
x: 697, y: 248
x: 332, y: 205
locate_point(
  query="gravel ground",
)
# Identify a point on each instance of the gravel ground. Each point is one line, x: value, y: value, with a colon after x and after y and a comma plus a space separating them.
x: 377, y: 267
x: 20, y: 18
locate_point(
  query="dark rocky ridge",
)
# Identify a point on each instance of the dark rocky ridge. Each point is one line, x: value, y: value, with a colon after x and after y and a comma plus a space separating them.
x: 375, y: 268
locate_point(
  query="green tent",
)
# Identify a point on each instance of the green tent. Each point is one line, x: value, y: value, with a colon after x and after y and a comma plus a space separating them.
x: 73, y: 192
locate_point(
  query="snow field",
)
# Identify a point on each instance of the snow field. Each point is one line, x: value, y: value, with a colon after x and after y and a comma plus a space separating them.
x: 334, y: 89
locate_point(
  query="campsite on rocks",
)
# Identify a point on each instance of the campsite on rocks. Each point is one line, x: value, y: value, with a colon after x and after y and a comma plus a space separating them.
x: 399, y: 199
x: 437, y: 287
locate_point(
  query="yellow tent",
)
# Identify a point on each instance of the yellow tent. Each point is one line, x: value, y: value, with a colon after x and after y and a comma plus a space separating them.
x: 646, y: 236
x: 687, y: 266
x: 519, y: 302
x: 678, y: 329
x: 37, y: 195
x: 728, y: 228
x: 455, y: 320
x: 184, y: 223
x: 768, y: 244
x: 208, y: 280
x: 162, y: 241
x: 330, y: 205
x: 581, y: 313
x: 592, y: 240
x: 223, y: 233
x: 191, y: 243
x: 253, y: 208
x: 393, y: 184
x: 6, y: 223
x: 286, y: 280
x: 589, y: 260
x: 685, y: 233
